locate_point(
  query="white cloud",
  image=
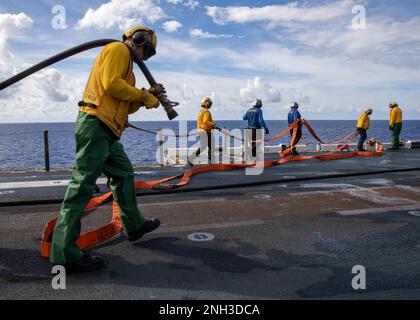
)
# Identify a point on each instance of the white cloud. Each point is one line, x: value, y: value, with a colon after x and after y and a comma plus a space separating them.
x: 192, y: 4
x: 256, y: 89
x: 171, y: 26
x: 384, y: 40
x: 44, y: 96
x: 10, y: 24
x: 123, y: 14
x: 198, y: 33
x: 279, y: 13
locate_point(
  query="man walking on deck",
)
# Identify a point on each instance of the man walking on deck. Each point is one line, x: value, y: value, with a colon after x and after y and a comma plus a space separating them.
x: 395, y: 125
x: 362, y: 126
x: 110, y: 96
x: 292, y: 116
x: 255, y: 119
x: 205, y: 125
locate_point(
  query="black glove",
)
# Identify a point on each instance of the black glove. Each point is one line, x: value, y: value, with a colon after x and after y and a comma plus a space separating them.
x: 267, y: 131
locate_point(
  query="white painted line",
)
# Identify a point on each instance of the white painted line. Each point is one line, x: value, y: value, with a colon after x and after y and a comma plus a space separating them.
x: 170, y: 203
x: 7, y: 192
x: 378, y: 210
x: 262, y: 196
x: 145, y: 172
x: 41, y: 183
x: 414, y: 213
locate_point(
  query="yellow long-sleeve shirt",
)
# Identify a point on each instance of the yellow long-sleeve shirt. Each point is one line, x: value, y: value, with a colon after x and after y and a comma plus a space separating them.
x: 205, y: 120
x: 395, y: 116
x: 364, y: 121
x: 111, y: 88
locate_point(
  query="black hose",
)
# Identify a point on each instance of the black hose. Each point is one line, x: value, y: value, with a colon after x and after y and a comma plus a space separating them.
x: 54, y: 59
x: 167, y: 104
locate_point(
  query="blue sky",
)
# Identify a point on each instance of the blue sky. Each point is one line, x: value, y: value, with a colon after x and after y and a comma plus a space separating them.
x: 233, y: 51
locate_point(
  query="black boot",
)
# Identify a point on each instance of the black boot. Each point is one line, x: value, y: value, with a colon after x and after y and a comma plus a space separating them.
x: 148, y: 226
x: 87, y: 263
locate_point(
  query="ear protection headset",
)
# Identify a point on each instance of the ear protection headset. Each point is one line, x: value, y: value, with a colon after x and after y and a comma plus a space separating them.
x: 143, y: 37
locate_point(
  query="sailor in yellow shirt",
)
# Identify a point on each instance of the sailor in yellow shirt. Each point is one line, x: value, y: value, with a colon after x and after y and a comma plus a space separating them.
x: 395, y: 125
x: 363, y: 125
x: 110, y: 96
x: 204, y: 125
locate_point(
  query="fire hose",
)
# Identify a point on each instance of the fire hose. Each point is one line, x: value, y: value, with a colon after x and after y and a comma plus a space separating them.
x: 114, y: 227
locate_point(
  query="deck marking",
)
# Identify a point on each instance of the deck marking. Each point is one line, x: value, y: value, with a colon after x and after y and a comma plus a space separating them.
x: 262, y: 196
x: 7, y: 192
x: 200, y: 236
x: 378, y: 210
x: 170, y: 203
x: 145, y: 172
x: 414, y: 213
x: 209, y: 226
x: 41, y: 183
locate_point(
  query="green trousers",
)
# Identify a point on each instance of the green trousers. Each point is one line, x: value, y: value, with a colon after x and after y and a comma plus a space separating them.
x: 395, y: 135
x: 97, y: 150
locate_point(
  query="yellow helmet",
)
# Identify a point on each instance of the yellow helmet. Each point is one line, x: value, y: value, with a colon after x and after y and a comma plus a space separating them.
x: 204, y: 100
x: 143, y: 36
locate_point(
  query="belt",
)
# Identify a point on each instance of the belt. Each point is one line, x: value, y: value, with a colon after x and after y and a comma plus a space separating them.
x: 86, y: 104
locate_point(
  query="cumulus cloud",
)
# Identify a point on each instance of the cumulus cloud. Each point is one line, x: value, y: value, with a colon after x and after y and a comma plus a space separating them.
x: 192, y: 4
x: 198, y: 33
x: 385, y: 40
x: 10, y: 24
x: 279, y: 13
x: 257, y: 89
x: 36, y: 97
x: 49, y: 95
x: 53, y: 84
x: 171, y: 26
x: 296, y: 95
x: 123, y: 14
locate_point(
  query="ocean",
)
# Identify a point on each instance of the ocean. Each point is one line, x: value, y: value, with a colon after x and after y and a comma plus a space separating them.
x: 22, y: 145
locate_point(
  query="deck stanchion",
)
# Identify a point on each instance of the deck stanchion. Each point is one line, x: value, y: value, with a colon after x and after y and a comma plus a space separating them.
x: 161, y: 152
x: 46, y: 151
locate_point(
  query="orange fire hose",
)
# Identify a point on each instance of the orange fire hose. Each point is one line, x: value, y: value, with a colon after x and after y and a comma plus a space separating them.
x: 114, y: 227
